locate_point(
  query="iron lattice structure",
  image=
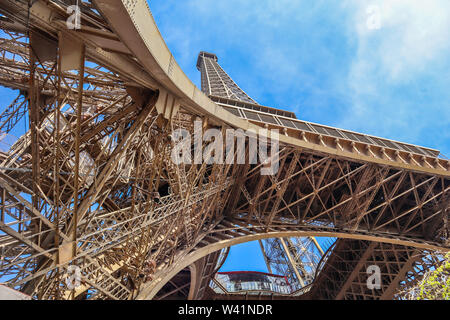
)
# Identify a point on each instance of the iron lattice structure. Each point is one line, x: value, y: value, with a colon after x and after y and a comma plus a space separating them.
x: 90, y: 182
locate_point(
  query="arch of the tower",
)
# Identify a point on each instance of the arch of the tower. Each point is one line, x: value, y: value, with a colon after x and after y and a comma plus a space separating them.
x: 98, y: 190
x: 180, y: 286
x: 373, y: 250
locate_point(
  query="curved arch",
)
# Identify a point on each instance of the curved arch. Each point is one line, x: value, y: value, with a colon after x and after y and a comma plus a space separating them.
x: 148, y: 292
x: 135, y: 26
x: 222, y: 259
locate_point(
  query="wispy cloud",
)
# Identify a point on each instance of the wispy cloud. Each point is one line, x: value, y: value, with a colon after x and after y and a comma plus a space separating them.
x: 398, y: 78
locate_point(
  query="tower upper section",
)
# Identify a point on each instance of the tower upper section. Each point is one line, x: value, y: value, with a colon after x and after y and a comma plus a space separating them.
x: 216, y: 82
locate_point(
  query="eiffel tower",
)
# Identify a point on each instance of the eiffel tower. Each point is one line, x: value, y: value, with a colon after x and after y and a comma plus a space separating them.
x: 93, y: 207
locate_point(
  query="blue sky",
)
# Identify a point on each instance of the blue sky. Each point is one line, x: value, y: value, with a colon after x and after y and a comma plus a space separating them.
x: 321, y: 60
x: 380, y: 67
